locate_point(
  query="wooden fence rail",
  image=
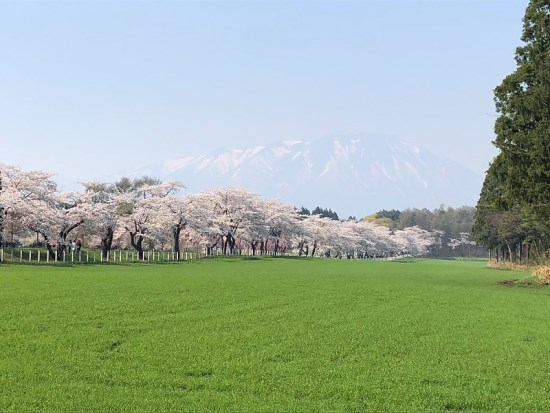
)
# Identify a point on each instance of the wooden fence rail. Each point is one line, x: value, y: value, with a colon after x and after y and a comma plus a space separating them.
x: 87, y: 256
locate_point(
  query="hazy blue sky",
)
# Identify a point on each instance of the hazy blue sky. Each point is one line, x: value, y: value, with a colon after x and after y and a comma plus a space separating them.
x: 91, y: 89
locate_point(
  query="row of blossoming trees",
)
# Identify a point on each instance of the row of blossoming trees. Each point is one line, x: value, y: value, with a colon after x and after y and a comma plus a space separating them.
x: 146, y: 213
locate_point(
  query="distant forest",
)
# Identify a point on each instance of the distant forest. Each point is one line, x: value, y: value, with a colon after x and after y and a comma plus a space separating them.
x: 454, y: 224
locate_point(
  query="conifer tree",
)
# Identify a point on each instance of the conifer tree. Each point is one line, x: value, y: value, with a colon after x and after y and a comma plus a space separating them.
x: 523, y: 127
x: 518, y: 181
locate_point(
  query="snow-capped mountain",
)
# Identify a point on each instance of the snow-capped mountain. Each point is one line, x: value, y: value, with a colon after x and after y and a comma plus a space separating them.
x: 352, y: 176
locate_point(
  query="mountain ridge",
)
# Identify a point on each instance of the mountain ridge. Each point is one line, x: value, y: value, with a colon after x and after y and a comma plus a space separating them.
x: 351, y: 175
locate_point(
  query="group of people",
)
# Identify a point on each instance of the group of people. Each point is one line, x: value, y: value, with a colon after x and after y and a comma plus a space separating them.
x: 73, y: 245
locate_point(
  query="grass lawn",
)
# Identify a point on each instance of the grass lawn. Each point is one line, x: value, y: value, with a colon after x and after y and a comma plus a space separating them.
x: 272, y: 335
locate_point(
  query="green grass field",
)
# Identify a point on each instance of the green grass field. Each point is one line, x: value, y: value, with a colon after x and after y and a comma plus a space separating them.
x: 272, y: 335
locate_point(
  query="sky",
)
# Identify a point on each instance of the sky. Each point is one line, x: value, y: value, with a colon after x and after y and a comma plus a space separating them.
x: 90, y: 89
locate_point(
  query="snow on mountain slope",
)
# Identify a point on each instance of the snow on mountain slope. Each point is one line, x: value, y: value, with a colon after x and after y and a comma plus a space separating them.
x: 349, y: 175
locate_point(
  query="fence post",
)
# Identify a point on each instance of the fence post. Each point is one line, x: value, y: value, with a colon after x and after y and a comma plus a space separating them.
x: 38, y: 255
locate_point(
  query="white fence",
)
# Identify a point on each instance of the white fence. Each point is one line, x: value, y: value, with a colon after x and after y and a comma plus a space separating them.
x: 34, y: 255
x: 91, y: 256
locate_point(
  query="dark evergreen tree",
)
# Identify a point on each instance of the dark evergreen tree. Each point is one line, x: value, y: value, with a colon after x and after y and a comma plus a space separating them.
x: 514, y: 204
x: 304, y: 211
x: 325, y: 213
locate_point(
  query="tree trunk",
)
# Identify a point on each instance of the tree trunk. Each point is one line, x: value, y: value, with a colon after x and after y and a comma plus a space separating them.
x: 136, y: 240
x: 231, y: 243
x: 520, y: 251
x: 510, y: 258
x: 1, y: 222
x: 107, y: 242
x: 314, y: 248
x: 210, y: 248
x: 176, y: 232
x: 51, y: 252
x: 224, y: 245
x: 64, y: 233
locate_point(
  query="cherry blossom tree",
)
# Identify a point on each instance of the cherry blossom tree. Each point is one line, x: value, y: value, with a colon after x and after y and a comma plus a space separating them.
x: 282, y: 221
x: 1, y: 214
x: 64, y: 212
x: 28, y: 197
x: 232, y: 219
x: 312, y: 231
x: 224, y: 214
x: 347, y: 239
x: 271, y: 228
x: 142, y: 211
x: 173, y: 217
x: 415, y: 240
x: 376, y: 240
x: 103, y: 218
